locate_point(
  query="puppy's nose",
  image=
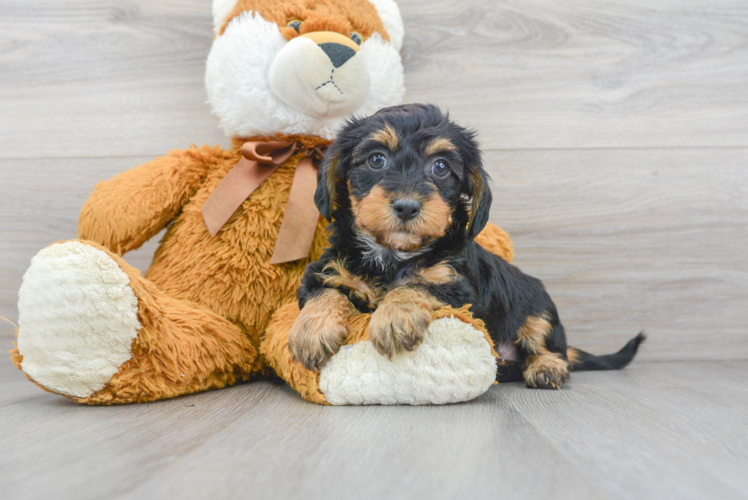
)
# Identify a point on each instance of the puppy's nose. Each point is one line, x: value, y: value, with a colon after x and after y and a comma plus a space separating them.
x: 406, y: 208
x: 337, y: 53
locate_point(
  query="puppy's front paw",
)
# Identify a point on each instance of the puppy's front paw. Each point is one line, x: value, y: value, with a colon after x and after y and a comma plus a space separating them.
x: 398, y: 327
x: 320, y: 329
x: 313, y: 344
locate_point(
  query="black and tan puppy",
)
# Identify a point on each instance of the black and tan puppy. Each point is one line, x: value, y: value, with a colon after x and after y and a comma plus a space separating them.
x: 407, y: 194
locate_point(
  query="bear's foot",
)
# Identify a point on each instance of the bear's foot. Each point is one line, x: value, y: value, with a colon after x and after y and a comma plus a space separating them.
x: 93, y: 329
x: 78, y: 317
x: 455, y: 362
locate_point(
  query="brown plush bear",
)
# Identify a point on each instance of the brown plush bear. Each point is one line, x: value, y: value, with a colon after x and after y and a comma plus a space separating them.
x: 282, y: 76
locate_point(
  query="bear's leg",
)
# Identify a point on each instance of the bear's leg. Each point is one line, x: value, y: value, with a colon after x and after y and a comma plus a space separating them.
x: 92, y: 329
x: 455, y: 362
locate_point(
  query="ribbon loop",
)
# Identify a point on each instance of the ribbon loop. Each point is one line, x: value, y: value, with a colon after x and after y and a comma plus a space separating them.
x: 273, y: 152
x: 259, y: 160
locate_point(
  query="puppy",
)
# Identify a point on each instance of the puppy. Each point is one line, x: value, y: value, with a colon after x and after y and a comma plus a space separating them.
x: 407, y: 194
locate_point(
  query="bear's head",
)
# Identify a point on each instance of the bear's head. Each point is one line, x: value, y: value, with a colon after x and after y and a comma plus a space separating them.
x: 302, y: 66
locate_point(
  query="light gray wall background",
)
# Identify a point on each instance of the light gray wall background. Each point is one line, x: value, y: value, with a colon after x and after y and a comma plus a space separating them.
x: 616, y: 133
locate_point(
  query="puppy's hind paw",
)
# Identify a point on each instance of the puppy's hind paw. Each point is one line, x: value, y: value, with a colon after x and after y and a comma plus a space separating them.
x: 546, y: 371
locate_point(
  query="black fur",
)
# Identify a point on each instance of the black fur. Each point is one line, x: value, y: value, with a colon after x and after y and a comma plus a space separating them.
x: 500, y: 294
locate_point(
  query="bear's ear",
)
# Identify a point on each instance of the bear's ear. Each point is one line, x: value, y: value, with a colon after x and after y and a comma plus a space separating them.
x: 389, y: 13
x: 221, y: 10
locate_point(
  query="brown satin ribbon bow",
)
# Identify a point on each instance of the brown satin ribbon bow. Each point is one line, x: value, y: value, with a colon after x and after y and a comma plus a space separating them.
x: 259, y: 160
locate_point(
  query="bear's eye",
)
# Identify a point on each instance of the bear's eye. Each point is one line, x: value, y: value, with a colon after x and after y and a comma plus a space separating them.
x: 377, y: 161
x: 356, y: 37
x: 440, y: 168
x: 295, y: 24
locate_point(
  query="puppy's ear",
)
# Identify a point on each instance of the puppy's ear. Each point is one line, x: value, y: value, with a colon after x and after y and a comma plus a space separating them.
x: 334, y: 166
x: 327, y: 178
x: 476, y: 182
x: 480, y: 201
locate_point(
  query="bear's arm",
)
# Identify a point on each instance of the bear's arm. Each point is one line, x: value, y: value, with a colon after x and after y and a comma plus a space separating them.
x: 126, y: 211
x: 497, y: 241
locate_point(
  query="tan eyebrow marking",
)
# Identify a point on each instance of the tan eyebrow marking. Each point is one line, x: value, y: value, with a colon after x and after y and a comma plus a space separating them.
x: 386, y: 136
x: 439, y: 145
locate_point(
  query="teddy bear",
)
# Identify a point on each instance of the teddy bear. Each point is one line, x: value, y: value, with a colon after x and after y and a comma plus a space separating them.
x: 216, y: 304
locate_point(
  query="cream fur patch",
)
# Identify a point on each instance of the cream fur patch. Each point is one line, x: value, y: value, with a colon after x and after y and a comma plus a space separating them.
x: 221, y: 10
x: 453, y: 364
x: 77, y: 318
x: 389, y: 13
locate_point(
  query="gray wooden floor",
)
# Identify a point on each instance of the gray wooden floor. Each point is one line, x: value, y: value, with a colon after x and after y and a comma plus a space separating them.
x: 655, y: 430
x: 617, y: 135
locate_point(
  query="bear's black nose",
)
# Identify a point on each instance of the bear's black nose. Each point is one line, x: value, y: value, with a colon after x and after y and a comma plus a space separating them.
x: 337, y: 53
x: 406, y: 208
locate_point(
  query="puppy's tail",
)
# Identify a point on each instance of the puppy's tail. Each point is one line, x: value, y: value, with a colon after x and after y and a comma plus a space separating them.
x: 580, y: 360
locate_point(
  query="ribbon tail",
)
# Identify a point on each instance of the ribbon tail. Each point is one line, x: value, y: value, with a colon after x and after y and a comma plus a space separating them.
x: 236, y: 187
x: 301, y: 216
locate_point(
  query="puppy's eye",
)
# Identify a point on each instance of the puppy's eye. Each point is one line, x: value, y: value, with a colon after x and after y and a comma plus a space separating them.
x: 356, y: 37
x: 377, y: 161
x: 295, y: 24
x: 440, y: 168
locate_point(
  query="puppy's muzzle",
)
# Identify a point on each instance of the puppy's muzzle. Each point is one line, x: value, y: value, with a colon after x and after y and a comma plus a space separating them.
x: 406, y: 208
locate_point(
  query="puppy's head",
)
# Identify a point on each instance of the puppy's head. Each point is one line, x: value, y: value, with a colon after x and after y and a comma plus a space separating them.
x: 405, y: 176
